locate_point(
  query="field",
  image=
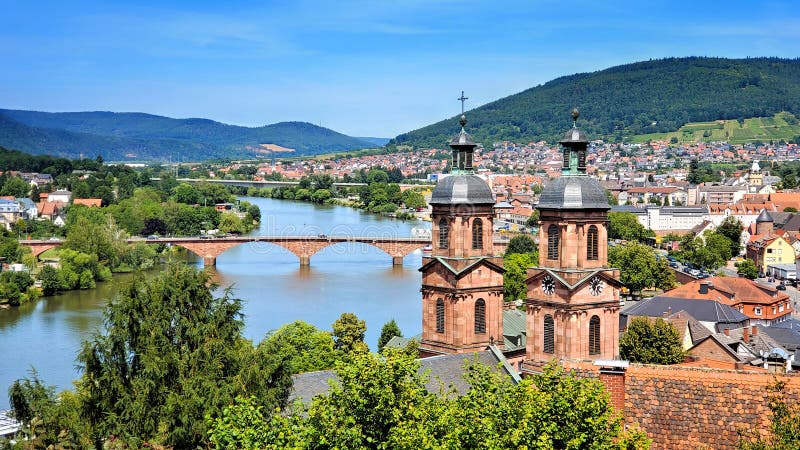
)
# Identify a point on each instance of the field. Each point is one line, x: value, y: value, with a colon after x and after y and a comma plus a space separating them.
x: 782, y: 126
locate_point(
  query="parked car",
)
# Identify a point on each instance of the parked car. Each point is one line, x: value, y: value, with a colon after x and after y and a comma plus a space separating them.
x: 674, y: 264
x: 780, y: 287
x: 152, y: 237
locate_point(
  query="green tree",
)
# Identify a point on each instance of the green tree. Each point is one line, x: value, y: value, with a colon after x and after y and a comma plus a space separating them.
x: 388, y: 331
x: 413, y: 199
x: 170, y: 355
x: 51, y: 281
x: 186, y: 193
x: 732, y: 228
x: 306, y: 348
x: 747, y: 269
x: 521, y: 244
x: 639, y: 268
x: 321, y: 195
x: 16, y: 187
x: 231, y: 223
x: 348, y: 334
x: 516, y: 266
x: 651, y: 342
x: 625, y: 225
x: 380, y: 402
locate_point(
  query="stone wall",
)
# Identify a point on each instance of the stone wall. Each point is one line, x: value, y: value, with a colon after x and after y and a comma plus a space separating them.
x: 699, y: 408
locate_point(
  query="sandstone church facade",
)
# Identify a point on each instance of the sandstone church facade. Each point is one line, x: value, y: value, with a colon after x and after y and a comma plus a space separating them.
x: 572, y: 306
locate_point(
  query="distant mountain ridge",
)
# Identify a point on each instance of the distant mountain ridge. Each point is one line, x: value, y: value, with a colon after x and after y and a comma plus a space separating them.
x: 645, y: 97
x: 119, y: 136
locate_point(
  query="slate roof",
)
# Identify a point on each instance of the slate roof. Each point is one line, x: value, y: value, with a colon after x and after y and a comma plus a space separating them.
x: 8, y: 425
x: 401, y: 342
x: 462, y: 189
x: 683, y: 321
x: 574, y: 192
x: 514, y: 330
x: 444, y: 370
x: 723, y: 316
x: 788, y: 337
x: 762, y: 343
x: 764, y: 217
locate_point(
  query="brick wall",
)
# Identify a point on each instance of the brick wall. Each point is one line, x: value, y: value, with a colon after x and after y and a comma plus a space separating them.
x: 698, y: 408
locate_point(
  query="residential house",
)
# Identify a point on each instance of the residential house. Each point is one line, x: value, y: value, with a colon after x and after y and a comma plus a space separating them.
x: 763, y: 304
x: 61, y: 195
x: 90, y: 202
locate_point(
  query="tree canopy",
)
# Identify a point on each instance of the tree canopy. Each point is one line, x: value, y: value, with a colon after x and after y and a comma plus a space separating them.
x: 639, y: 268
x: 651, y: 342
x: 625, y: 225
x: 381, y: 402
x: 170, y: 355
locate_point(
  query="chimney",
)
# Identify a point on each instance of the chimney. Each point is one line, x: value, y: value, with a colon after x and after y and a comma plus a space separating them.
x: 746, y: 335
x: 754, y: 331
x: 703, y: 287
x: 727, y: 331
x: 612, y: 374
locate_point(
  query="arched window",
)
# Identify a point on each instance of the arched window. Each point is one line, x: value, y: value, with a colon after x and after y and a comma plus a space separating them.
x: 594, y: 335
x: 444, y: 232
x: 480, y: 316
x: 477, y: 234
x: 552, y: 242
x: 591, y: 244
x: 440, y: 316
x: 549, y: 334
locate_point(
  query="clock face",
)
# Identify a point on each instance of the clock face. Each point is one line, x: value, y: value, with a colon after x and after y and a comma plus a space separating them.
x: 596, y: 286
x: 548, y: 285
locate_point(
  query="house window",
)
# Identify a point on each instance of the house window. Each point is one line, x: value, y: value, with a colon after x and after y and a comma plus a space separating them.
x: 552, y: 242
x: 549, y: 334
x: 440, y: 316
x: 780, y: 307
x: 594, y: 336
x: 444, y: 231
x: 480, y: 316
x: 757, y: 311
x: 591, y: 244
x: 477, y: 234
x: 774, y: 310
x: 769, y: 250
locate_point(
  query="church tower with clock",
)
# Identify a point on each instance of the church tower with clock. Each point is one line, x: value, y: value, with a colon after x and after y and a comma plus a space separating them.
x: 572, y: 304
x: 462, y: 280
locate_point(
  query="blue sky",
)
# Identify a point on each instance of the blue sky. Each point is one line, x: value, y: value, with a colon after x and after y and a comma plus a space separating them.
x: 364, y: 68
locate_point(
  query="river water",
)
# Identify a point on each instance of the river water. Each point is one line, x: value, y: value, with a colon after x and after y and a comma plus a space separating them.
x: 354, y: 278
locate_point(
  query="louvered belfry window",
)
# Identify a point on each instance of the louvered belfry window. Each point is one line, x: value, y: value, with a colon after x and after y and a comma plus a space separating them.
x: 552, y: 242
x: 477, y: 234
x: 549, y: 334
x: 480, y: 316
x: 440, y: 316
x: 444, y: 232
x: 591, y: 244
x: 594, y: 335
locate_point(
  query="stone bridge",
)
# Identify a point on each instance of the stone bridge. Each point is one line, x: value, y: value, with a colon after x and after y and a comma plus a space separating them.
x: 304, y: 247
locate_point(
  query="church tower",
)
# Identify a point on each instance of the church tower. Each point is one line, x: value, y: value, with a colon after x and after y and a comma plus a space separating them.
x: 462, y: 280
x: 573, y: 296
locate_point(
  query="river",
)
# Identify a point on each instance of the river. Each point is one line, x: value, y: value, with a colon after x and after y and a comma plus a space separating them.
x: 275, y: 290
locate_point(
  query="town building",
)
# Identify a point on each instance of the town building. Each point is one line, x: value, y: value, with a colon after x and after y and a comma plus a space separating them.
x: 763, y: 304
x: 767, y: 248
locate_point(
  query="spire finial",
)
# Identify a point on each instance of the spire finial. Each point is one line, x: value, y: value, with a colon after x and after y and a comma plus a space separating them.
x: 575, y: 115
x: 462, y: 99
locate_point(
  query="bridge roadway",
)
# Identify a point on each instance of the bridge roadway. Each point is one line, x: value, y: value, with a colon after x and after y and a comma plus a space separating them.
x: 304, y: 247
x: 272, y: 184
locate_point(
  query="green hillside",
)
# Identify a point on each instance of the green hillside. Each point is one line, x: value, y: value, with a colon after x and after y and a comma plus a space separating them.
x: 783, y: 126
x: 146, y: 136
x: 656, y: 96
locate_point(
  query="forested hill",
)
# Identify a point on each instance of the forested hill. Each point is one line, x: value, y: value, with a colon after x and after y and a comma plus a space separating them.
x: 644, y: 97
x: 119, y: 136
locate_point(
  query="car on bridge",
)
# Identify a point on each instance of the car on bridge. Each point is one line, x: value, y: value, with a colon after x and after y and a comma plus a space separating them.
x: 152, y: 237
